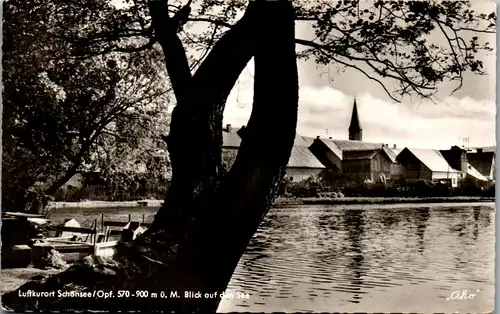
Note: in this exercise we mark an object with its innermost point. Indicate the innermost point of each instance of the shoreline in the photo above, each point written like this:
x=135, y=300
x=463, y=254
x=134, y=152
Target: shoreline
x=383, y=200
x=105, y=204
x=293, y=201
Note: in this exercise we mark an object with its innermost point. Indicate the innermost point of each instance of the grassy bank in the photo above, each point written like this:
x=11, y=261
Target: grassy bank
x=380, y=200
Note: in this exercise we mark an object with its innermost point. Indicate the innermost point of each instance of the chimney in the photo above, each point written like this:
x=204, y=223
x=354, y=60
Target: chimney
x=330, y=138
x=394, y=146
x=479, y=150
x=317, y=137
x=228, y=127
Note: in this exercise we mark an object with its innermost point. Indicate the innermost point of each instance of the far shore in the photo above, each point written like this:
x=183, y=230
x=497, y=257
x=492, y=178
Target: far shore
x=382, y=200
x=292, y=201
x=106, y=204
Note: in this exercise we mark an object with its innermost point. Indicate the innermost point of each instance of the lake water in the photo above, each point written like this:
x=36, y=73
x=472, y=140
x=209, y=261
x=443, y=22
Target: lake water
x=374, y=258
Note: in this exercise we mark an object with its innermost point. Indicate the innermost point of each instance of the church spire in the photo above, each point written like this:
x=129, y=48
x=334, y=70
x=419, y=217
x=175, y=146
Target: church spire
x=355, y=130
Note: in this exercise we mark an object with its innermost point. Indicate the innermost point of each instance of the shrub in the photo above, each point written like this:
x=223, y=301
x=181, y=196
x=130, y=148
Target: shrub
x=311, y=187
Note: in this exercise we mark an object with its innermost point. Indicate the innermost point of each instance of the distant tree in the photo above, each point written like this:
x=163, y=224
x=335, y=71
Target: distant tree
x=133, y=156
x=59, y=105
x=186, y=249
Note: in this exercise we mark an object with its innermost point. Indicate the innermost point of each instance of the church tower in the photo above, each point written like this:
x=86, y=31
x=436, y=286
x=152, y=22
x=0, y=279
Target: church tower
x=355, y=130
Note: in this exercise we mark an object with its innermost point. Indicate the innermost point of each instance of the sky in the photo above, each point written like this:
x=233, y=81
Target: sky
x=326, y=100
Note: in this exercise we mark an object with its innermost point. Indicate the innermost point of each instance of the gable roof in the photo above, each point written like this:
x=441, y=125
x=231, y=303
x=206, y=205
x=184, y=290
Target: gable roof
x=339, y=146
x=474, y=173
x=308, y=140
x=301, y=157
x=231, y=138
x=432, y=159
x=333, y=147
x=302, y=140
x=356, y=145
x=483, y=162
x=365, y=154
x=359, y=154
x=392, y=152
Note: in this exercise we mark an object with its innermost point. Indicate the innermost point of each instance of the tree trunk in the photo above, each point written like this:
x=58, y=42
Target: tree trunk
x=203, y=228
x=56, y=184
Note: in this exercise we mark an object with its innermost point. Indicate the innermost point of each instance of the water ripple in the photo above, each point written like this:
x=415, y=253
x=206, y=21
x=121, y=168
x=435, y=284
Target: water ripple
x=333, y=257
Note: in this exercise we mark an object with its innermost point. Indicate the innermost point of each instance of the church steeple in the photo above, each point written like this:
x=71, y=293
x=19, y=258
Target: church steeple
x=355, y=130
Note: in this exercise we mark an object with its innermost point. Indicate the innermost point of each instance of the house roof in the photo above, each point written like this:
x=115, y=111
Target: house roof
x=301, y=157
x=339, y=146
x=432, y=159
x=308, y=140
x=483, y=162
x=474, y=173
x=359, y=154
x=231, y=139
x=355, y=145
x=333, y=147
x=366, y=154
x=302, y=141
x=487, y=149
x=392, y=152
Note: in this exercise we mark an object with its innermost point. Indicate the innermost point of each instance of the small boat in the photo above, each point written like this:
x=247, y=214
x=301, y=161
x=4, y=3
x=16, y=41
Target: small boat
x=72, y=241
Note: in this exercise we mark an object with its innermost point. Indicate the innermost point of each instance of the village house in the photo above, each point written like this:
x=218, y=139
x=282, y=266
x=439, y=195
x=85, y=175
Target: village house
x=354, y=159
x=427, y=164
x=372, y=165
x=458, y=160
x=483, y=159
x=230, y=138
x=397, y=169
x=231, y=141
x=301, y=165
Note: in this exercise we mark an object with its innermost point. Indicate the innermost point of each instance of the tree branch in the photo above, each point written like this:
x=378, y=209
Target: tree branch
x=175, y=55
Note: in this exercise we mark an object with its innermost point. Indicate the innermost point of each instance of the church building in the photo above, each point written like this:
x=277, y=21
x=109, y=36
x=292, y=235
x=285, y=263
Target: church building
x=354, y=159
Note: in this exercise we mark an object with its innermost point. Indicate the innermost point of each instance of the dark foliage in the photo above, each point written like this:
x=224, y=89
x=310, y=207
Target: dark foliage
x=59, y=109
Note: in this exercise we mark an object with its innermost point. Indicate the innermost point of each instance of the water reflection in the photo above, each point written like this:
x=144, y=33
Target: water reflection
x=341, y=258
x=475, y=233
x=354, y=223
x=421, y=221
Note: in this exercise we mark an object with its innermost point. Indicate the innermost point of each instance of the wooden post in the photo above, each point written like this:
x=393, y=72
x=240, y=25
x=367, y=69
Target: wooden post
x=143, y=217
x=129, y=218
x=102, y=222
x=95, y=233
